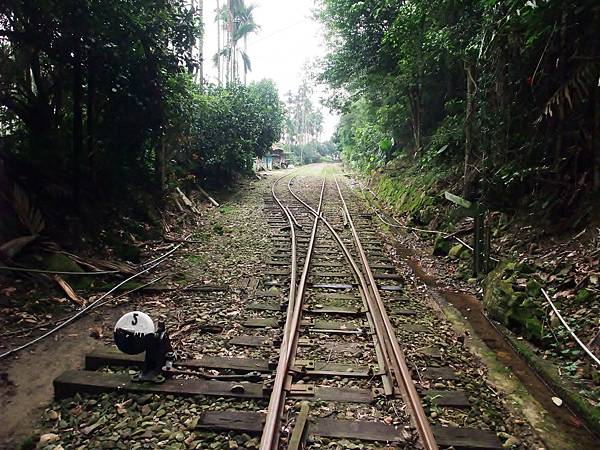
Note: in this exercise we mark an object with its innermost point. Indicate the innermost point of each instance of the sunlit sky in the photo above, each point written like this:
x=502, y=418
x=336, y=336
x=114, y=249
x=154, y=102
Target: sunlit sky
x=288, y=39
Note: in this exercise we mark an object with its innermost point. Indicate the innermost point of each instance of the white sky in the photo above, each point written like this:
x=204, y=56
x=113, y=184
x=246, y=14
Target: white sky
x=287, y=40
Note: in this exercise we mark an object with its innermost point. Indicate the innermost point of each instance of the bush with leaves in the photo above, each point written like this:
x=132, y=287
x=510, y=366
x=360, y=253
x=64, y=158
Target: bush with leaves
x=224, y=128
x=501, y=87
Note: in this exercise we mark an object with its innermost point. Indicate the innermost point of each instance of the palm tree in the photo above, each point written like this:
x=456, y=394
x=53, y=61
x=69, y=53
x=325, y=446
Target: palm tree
x=244, y=25
x=218, y=62
x=240, y=23
x=221, y=57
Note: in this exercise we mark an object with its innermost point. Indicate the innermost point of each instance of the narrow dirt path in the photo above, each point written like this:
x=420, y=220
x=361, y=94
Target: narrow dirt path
x=28, y=387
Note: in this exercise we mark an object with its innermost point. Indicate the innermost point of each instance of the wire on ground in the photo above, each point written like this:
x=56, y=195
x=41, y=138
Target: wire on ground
x=82, y=312
x=563, y=321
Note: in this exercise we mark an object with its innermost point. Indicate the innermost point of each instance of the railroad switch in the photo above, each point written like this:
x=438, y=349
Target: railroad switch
x=135, y=333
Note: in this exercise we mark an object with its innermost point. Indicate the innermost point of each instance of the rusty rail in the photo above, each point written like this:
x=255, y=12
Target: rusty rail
x=401, y=370
x=362, y=284
x=271, y=429
x=396, y=366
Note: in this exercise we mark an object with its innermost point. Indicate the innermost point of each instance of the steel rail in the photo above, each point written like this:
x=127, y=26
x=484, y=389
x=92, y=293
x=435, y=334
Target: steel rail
x=404, y=378
x=270, y=435
x=382, y=331
x=377, y=325
x=293, y=218
x=57, y=272
x=294, y=268
x=274, y=431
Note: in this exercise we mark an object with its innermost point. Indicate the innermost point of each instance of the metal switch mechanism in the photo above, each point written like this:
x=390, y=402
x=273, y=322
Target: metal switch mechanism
x=136, y=333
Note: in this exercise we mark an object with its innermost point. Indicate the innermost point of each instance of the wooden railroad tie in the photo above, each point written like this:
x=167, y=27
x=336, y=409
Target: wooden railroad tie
x=72, y=382
x=252, y=422
x=89, y=381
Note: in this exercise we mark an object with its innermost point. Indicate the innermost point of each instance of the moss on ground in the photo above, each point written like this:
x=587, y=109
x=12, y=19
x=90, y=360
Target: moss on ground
x=514, y=301
x=415, y=195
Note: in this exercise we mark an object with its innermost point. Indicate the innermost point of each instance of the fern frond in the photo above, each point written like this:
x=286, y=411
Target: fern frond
x=29, y=216
x=572, y=91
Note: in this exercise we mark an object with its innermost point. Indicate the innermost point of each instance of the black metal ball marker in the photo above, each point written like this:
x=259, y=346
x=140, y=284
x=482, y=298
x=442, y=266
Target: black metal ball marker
x=135, y=333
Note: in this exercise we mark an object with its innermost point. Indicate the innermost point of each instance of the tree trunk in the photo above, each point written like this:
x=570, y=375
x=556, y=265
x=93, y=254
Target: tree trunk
x=219, y=42
x=234, y=69
x=596, y=140
x=190, y=50
x=246, y=52
x=200, y=72
x=91, y=120
x=562, y=69
x=230, y=56
x=469, y=117
x=415, y=118
x=77, y=120
x=596, y=123
x=163, y=162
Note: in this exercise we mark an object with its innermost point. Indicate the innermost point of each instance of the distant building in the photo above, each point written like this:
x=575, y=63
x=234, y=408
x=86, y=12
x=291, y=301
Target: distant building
x=278, y=155
x=273, y=159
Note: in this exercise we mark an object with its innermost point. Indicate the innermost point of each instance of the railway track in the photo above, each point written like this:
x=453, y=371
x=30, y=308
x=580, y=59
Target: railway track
x=329, y=325
x=390, y=376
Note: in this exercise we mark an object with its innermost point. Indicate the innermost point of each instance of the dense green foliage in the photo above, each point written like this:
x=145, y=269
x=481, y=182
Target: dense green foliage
x=504, y=93
x=98, y=104
x=303, y=126
x=223, y=129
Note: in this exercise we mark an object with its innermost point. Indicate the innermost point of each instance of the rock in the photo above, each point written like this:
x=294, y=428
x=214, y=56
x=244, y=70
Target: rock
x=48, y=438
x=511, y=442
x=456, y=250
x=191, y=423
x=233, y=445
x=190, y=439
x=144, y=399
